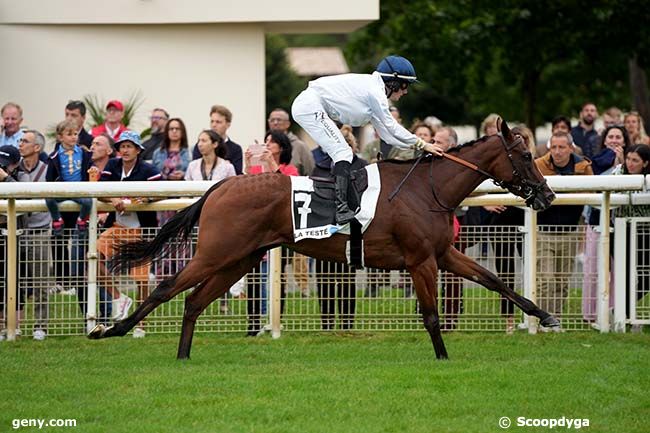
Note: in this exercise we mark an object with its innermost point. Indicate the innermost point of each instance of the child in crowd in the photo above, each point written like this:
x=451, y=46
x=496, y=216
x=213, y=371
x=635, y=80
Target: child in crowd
x=68, y=163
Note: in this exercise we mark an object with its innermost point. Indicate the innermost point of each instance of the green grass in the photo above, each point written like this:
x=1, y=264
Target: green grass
x=328, y=383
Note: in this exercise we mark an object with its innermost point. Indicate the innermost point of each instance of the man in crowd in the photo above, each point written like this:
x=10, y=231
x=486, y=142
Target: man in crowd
x=12, y=117
x=125, y=226
x=220, y=120
x=9, y=160
x=113, y=125
x=35, y=241
x=556, y=246
x=159, y=118
x=301, y=155
x=613, y=116
x=584, y=133
x=76, y=111
x=446, y=137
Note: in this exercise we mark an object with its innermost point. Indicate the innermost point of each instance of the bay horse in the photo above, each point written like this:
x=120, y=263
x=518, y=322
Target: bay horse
x=240, y=218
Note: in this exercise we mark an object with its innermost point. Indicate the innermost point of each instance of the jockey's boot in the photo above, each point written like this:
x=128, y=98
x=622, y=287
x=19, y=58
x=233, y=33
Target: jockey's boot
x=341, y=173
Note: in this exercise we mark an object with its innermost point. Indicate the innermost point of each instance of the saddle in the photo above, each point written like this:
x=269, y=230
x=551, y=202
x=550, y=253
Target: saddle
x=324, y=188
x=314, y=209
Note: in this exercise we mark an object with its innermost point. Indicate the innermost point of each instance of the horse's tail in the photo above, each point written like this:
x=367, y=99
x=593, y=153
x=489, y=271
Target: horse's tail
x=171, y=237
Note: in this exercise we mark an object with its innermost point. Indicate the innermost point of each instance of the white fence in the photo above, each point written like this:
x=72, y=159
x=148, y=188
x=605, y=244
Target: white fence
x=383, y=301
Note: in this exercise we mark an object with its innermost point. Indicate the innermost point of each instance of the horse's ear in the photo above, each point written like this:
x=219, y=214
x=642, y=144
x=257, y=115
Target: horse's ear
x=502, y=126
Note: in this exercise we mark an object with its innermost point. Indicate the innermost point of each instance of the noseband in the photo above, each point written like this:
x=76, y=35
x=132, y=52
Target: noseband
x=523, y=187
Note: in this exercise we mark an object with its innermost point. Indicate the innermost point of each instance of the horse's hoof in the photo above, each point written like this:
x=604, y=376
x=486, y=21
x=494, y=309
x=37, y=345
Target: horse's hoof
x=97, y=332
x=550, y=322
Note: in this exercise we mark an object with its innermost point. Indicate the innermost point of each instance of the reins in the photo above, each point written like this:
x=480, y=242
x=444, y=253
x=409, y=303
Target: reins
x=528, y=188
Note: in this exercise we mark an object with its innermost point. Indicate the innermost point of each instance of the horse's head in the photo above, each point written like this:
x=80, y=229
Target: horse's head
x=521, y=176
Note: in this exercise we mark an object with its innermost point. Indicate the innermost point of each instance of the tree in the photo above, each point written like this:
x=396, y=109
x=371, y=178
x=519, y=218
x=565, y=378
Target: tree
x=282, y=83
x=525, y=59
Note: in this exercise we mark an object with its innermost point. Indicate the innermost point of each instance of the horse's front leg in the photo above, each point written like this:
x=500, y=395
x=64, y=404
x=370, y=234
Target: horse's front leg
x=463, y=266
x=424, y=277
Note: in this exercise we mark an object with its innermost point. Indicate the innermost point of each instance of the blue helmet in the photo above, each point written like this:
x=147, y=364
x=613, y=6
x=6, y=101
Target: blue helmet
x=397, y=68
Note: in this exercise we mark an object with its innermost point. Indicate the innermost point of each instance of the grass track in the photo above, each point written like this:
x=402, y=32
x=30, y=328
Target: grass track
x=328, y=383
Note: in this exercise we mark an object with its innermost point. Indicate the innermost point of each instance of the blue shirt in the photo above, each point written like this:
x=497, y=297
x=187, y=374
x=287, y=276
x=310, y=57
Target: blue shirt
x=14, y=140
x=70, y=161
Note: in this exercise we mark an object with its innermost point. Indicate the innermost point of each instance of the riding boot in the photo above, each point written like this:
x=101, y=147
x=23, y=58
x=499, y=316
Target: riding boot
x=342, y=180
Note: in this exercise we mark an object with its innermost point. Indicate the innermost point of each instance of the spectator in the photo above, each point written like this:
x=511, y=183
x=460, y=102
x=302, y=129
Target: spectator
x=35, y=242
x=452, y=286
x=172, y=156
x=212, y=166
x=159, y=117
x=9, y=160
x=125, y=226
x=102, y=150
x=220, y=120
x=614, y=144
x=76, y=111
x=584, y=134
x=334, y=275
x=68, y=164
x=275, y=158
x=489, y=125
x=12, y=117
x=421, y=130
x=556, y=246
x=113, y=125
x=505, y=220
x=634, y=126
x=302, y=156
x=558, y=124
x=613, y=116
x=637, y=161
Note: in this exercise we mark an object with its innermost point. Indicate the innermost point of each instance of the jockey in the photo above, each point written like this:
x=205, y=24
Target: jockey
x=356, y=99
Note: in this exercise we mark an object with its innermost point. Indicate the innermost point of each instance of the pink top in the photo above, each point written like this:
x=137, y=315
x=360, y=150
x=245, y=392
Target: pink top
x=286, y=169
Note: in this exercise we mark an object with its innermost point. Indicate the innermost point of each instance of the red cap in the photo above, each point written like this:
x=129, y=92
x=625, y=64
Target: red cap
x=116, y=104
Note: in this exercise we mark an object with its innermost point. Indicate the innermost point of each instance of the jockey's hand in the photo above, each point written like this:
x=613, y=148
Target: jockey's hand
x=434, y=148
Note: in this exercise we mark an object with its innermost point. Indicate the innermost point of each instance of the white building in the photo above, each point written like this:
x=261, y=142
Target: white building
x=184, y=56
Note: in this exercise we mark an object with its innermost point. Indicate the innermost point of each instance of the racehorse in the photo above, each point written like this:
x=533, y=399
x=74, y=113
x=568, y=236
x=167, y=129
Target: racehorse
x=242, y=217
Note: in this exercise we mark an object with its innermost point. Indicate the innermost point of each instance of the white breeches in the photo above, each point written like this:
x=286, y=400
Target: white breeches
x=308, y=111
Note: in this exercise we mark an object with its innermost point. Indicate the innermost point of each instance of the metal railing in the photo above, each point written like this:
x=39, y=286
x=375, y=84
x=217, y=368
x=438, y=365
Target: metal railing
x=306, y=294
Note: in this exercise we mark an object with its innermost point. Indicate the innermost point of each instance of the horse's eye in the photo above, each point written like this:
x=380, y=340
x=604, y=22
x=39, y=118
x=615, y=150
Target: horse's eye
x=527, y=156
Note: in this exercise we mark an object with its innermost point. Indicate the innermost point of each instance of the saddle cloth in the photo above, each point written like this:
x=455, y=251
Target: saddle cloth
x=313, y=205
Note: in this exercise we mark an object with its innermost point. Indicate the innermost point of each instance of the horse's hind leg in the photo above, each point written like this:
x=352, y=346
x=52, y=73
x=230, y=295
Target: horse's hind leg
x=205, y=294
x=463, y=266
x=195, y=272
x=424, y=278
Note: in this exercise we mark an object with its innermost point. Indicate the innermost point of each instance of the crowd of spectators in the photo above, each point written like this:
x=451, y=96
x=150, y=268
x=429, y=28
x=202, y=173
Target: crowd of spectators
x=111, y=151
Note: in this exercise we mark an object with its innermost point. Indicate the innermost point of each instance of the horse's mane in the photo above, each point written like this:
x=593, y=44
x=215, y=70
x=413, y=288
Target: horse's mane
x=454, y=149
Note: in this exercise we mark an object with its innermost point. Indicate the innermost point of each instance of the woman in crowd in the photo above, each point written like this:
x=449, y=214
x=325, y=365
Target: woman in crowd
x=172, y=159
x=614, y=143
x=212, y=165
x=274, y=157
x=637, y=161
x=634, y=125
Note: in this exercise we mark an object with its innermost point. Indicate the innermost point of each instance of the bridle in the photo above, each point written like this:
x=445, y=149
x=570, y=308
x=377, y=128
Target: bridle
x=520, y=186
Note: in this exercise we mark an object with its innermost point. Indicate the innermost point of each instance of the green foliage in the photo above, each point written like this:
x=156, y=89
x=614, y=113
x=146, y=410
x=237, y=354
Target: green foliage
x=525, y=59
x=282, y=83
x=96, y=108
x=340, y=382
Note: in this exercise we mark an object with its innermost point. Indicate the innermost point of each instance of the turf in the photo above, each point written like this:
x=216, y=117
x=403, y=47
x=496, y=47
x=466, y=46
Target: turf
x=384, y=382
